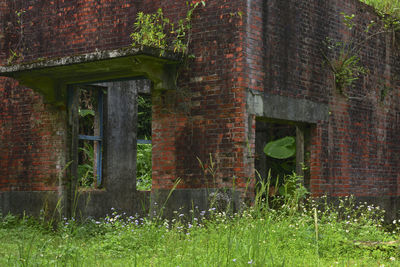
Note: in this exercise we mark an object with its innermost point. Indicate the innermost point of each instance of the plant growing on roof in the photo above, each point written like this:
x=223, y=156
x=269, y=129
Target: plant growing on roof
x=155, y=30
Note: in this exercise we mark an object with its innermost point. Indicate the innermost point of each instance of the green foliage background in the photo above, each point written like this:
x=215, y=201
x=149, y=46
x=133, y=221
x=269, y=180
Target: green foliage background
x=390, y=7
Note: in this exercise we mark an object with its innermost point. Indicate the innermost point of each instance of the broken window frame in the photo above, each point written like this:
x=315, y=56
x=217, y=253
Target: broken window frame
x=73, y=107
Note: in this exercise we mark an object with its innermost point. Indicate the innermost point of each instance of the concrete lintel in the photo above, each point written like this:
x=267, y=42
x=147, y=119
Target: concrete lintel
x=286, y=108
x=50, y=77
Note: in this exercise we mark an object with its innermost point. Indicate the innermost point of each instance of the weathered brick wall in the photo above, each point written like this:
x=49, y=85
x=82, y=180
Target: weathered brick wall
x=272, y=46
x=32, y=140
x=33, y=134
x=3, y=22
x=61, y=28
x=203, y=118
x=355, y=151
x=206, y=122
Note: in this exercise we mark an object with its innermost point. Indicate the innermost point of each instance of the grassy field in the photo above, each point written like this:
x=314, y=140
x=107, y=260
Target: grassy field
x=291, y=236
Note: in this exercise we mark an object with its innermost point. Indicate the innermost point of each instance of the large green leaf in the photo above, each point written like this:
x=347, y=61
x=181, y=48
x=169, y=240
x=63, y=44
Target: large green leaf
x=282, y=148
x=86, y=112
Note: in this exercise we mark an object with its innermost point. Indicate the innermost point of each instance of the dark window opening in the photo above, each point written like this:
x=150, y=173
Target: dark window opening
x=281, y=150
x=90, y=136
x=106, y=120
x=144, y=144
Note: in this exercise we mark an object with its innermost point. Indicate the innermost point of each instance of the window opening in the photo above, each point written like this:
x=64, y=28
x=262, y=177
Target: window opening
x=144, y=143
x=281, y=163
x=90, y=137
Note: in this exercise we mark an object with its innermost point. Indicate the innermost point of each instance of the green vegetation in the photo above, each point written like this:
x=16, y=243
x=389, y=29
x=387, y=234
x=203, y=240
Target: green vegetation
x=385, y=7
x=345, y=64
x=343, y=57
x=144, y=116
x=155, y=30
x=143, y=167
x=143, y=161
x=308, y=234
x=282, y=148
x=85, y=169
x=282, y=162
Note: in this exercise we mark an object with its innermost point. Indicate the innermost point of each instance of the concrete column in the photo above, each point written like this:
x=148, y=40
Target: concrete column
x=120, y=139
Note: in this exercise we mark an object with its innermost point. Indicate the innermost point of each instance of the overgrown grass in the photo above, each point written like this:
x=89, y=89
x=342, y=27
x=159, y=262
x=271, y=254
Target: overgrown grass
x=259, y=236
x=143, y=167
x=389, y=7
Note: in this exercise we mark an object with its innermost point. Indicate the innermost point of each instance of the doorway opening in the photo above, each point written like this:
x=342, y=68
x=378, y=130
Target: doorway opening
x=282, y=153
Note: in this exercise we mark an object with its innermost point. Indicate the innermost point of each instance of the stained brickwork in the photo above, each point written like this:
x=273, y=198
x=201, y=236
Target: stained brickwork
x=355, y=151
x=208, y=123
x=32, y=142
x=242, y=46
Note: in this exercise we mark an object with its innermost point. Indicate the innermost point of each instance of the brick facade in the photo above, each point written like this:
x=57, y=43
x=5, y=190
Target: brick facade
x=270, y=47
x=355, y=151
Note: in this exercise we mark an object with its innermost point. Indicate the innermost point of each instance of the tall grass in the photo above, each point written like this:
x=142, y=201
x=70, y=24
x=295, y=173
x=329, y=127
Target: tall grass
x=143, y=167
x=312, y=233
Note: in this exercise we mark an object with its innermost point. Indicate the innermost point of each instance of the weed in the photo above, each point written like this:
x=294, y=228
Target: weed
x=143, y=167
x=154, y=29
x=318, y=233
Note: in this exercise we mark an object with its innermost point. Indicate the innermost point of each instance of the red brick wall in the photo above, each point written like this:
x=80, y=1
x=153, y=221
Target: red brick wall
x=357, y=150
x=273, y=47
x=3, y=22
x=211, y=124
x=60, y=28
x=208, y=123
x=33, y=134
x=32, y=140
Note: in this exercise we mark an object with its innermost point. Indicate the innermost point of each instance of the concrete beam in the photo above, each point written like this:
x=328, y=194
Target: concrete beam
x=286, y=108
x=50, y=77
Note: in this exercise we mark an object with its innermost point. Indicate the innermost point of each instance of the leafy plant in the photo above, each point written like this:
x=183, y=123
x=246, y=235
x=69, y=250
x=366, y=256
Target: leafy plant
x=343, y=58
x=19, y=46
x=150, y=30
x=283, y=148
x=86, y=112
x=144, y=116
x=385, y=7
x=281, y=161
x=346, y=67
x=155, y=30
x=85, y=170
x=143, y=167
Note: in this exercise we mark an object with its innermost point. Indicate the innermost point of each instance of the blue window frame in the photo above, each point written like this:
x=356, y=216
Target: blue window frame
x=97, y=136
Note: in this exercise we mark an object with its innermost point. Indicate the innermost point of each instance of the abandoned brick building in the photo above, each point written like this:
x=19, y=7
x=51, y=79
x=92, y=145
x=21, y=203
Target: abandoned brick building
x=258, y=66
